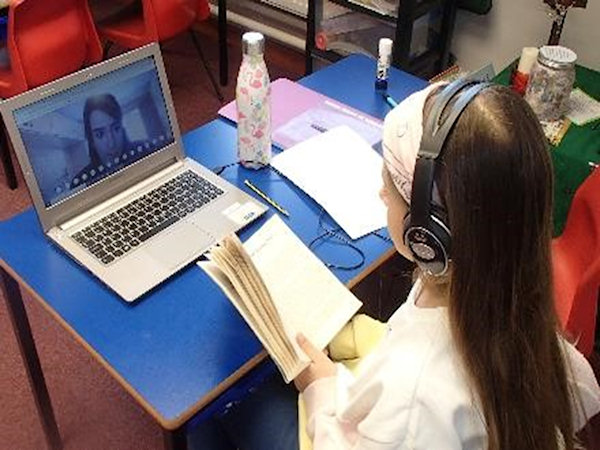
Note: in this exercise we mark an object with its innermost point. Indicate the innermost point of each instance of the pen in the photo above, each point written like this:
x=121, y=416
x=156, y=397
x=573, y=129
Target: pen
x=390, y=101
x=266, y=198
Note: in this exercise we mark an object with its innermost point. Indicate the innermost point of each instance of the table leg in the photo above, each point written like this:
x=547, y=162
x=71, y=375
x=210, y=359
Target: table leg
x=175, y=439
x=22, y=329
x=223, y=54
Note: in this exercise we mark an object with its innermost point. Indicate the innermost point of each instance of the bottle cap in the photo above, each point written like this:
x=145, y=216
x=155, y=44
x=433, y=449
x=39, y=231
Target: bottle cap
x=557, y=56
x=253, y=43
x=385, y=46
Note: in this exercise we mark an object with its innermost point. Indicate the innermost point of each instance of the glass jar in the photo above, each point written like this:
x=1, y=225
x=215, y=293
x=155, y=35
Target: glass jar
x=551, y=81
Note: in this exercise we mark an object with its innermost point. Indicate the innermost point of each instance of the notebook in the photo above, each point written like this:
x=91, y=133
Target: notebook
x=299, y=113
x=104, y=163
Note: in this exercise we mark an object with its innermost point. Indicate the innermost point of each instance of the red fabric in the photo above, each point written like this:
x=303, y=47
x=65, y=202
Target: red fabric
x=576, y=265
x=47, y=40
x=157, y=21
x=519, y=82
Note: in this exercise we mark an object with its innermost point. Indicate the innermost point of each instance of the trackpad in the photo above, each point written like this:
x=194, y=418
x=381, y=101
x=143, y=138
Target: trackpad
x=179, y=245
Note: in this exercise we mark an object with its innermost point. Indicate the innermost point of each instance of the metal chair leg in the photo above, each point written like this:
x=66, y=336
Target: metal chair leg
x=106, y=49
x=205, y=64
x=7, y=164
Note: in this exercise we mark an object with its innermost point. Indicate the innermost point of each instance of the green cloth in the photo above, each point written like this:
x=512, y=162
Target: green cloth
x=579, y=147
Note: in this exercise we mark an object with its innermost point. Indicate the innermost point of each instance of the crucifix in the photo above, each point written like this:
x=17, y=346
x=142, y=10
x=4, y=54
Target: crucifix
x=559, y=12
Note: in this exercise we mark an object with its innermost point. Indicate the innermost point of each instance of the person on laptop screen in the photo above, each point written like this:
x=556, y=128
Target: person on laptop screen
x=108, y=144
x=79, y=136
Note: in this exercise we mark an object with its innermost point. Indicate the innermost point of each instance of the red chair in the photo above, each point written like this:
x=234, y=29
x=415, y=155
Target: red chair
x=576, y=265
x=45, y=41
x=156, y=21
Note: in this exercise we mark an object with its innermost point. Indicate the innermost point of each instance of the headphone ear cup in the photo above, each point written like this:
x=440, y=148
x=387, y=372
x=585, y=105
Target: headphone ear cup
x=430, y=246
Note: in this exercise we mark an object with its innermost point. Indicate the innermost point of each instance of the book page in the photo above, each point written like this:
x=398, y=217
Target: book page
x=264, y=335
x=235, y=263
x=303, y=295
x=266, y=309
x=308, y=297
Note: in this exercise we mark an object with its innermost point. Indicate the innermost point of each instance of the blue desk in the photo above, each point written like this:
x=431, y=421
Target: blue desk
x=182, y=346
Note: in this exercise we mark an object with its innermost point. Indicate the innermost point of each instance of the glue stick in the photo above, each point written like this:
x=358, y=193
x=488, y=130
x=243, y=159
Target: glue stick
x=383, y=64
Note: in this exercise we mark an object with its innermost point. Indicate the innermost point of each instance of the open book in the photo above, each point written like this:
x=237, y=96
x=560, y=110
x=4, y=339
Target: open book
x=281, y=288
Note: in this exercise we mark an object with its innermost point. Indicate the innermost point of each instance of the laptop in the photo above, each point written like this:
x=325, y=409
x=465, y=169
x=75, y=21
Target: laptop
x=105, y=166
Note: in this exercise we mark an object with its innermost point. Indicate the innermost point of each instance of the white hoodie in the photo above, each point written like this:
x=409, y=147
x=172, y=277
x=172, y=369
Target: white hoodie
x=411, y=391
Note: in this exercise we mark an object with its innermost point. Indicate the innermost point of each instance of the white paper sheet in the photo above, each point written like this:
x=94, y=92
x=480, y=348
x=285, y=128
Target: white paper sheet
x=582, y=108
x=342, y=173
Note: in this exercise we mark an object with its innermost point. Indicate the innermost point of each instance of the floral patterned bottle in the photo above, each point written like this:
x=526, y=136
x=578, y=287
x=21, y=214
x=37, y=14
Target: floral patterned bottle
x=253, y=99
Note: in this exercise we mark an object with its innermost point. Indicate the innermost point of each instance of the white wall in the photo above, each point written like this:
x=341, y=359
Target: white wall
x=499, y=36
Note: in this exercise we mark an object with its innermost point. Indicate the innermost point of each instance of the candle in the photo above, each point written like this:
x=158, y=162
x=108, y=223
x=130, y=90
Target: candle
x=528, y=57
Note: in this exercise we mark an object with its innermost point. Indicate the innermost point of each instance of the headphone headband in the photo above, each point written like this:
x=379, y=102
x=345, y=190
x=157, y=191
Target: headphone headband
x=432, y=143
x=426, y=232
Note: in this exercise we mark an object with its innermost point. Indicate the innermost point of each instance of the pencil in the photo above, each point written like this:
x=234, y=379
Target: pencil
x=266, y=198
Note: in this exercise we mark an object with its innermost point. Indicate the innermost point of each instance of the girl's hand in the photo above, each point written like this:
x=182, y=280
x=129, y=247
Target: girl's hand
x=320, y=367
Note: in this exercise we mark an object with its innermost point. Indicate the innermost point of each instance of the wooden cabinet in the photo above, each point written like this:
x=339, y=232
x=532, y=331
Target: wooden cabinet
x=421, y=30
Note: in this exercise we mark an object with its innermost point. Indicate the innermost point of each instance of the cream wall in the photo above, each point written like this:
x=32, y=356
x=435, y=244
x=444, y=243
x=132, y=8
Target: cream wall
x=499, y=36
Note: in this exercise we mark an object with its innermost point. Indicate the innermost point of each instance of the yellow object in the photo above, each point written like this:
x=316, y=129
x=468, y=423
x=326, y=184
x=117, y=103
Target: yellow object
x=266, y=198
x=349, y=346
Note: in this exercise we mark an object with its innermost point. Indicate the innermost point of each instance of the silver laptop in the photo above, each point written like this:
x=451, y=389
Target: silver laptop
x=105, y=166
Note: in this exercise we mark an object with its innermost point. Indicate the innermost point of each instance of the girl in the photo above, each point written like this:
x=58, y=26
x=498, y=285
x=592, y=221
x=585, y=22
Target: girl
x=473, y=359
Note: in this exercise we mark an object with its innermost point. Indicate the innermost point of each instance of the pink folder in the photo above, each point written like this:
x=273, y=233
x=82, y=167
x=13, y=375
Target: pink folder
x=298, y=113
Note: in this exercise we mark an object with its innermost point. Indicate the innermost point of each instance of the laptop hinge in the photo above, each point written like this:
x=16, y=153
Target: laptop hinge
x=100, y=209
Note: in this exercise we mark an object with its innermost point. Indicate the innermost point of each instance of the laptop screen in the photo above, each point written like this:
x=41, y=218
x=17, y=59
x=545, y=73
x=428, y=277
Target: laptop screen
x=79, y=136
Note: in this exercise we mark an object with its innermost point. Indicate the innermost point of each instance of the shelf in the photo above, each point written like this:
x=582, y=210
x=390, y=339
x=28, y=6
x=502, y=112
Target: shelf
x=421, y=9
x=421, y=27
x=363, y=9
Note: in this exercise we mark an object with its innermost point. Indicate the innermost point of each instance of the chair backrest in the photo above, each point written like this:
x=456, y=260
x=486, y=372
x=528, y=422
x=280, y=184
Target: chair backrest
x=175, y=16
x=156, y=21
x=581, y=235
x=49, y=39
x=576, y=264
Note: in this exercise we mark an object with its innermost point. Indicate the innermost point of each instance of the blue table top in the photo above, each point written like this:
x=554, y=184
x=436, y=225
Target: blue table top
x=184, y=343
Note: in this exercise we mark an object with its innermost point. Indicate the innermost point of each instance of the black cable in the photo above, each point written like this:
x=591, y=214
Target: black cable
x=219, y=169
x=334, y=234
x=385, y=238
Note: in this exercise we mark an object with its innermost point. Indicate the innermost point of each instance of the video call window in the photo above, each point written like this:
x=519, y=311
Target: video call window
x=76, y=138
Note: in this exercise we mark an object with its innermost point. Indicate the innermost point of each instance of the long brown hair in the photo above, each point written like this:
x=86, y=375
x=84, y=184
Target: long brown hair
x=496, y=182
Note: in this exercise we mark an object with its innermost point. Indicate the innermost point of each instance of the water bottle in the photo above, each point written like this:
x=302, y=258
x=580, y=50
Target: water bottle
x=253, y=95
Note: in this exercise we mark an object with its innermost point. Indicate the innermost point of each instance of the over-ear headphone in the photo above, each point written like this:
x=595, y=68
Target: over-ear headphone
x=426, y=232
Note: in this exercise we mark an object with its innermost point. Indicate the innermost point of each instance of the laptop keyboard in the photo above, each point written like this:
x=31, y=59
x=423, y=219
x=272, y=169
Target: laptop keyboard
x=126, y=228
